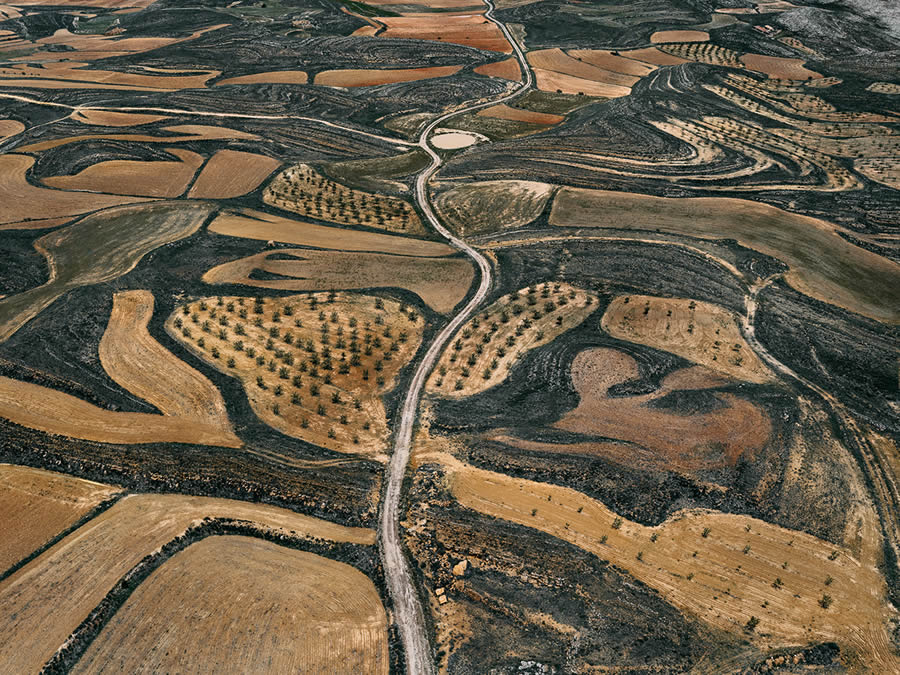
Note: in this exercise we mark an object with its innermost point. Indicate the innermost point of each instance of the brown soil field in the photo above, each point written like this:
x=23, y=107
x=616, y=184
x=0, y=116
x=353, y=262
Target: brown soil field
x=654, y=56
x=266, y=227
x=54, y=412
x=299, y=613
x=662, y=36
x=822, y=264
x=720, y=568
x=492, y=342
x=140, y=364
x=107, y=118
x=37, y=505
x=127, y=177
x=43, y=602
x=10, y=128
x=558, y=61
x=698, y=331
x=488, y=206
x=606, y=60
x=313, y=367
x=271, y=77
x=304, y=191
x=548, y=80
x=779, y=68
x=192, y=132
x=63, y=75
x=508, y=70
x=442, y=283
x=505, y=112
x=471, y=30
x=23, y=200
x=656, y=438
x=231, y=173
x=361, y=77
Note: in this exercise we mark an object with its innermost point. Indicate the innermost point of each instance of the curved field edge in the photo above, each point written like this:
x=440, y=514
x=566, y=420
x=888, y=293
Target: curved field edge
x=46, y=599
x=83, y=641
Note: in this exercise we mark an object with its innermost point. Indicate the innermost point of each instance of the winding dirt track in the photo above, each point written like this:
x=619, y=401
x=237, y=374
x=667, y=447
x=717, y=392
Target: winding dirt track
x=407, y=608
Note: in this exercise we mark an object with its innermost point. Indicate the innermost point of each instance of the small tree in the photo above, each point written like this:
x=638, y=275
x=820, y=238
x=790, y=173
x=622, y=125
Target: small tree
x=751, y=624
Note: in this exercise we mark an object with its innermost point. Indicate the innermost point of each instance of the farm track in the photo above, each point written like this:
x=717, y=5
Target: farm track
x=408, y=612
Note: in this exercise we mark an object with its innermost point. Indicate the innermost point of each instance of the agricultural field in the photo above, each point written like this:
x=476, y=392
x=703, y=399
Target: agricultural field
x=449, y=336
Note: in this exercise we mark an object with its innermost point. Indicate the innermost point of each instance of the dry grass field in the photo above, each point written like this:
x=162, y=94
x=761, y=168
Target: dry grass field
x=313, y=366
x=489, y=345
x=476, y=208
x=663, y=36
x=778, y=67
x=137, y=362
x=240, y=604
x=189, y=132
x=884, y=170
x=722, y=569
x=884, y=88
x=271, y=77
x=554, y=70
x=505, y=112
x=359, y=77
x=126, y=177
x=507, y=69
x=10, y=128
x=108, y=118
x=470, y=30
x=72, y=74
x=698, y=331
x=441, y=283
x=822, y=264
x=302, y=190
x=267, y=227
x=37, y=505
x=232, y=173
x=43, y=602
x=616, y=63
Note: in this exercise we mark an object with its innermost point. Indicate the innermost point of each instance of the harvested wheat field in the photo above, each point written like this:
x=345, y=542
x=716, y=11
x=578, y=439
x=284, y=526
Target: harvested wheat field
x=489, y=206
x=823, y=264
x=470, y=30
x=267, y=227
x=271, y=77
x=190, y=132
x=10, y=128
x=548, y=80
x=663, y=36
x=442, y=283
x=108, y=118
x=136, y=361
x=22, y=200
x=231, y=173
x=37, y=505
x=239, y=604
x=505, y=112
x=606, y=60
x=653, y=56
x=66, y=75
x=508, y=70
x=304, y=191
x=493, y=341
x=118, y=239
x=721, y=568
x=127, y=177
x=556, y=60
x=40, y=224
x=698, y=331
x=779, y=68
x=43, y=602
x=360, y=77
x=313, y=366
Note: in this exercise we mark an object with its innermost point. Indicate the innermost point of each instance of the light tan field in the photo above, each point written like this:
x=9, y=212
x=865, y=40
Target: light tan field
x=297, y=613
x=108, y=118
x=557, y=60
x=884, y=88
x=10, y=128
x=23, y=200
x=37, y=505
x=302, y=190
x=231, y=173
x=489, y=206
x=191, y=132
x=508, y=70
x=822, y=264
x=548, y=80
x=68, y=74
x=442, y=283
x=312, y=368
x=654, y=56
x=361, y=77
x=663, y=36
x=35, y=224
x=723, y=578
x=505, y=112
x=128, y=177
x=492, y=342
x=608, y=61
x=698, y=331
x=136, y=361
x=271, y=77
x=43, y=602
x=779, y=68
x=266, y=227
x=471, y=30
